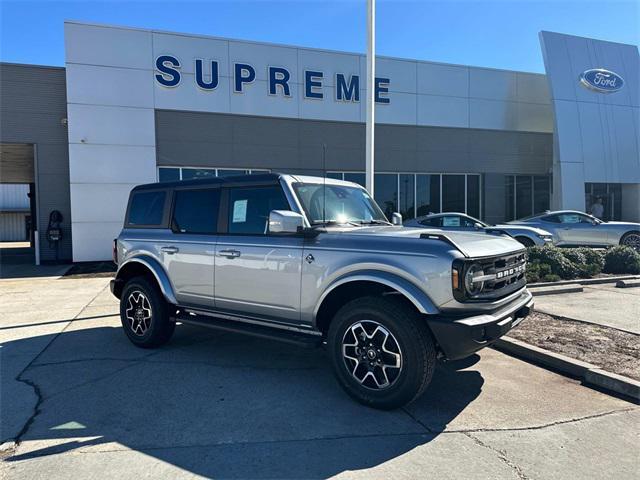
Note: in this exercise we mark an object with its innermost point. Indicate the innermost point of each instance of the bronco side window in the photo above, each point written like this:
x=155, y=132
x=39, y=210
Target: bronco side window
x=146, y=208
x=249, y=208
x=195, y=211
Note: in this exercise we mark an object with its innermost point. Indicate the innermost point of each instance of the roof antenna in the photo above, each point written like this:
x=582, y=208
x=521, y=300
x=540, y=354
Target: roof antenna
x=324, y=182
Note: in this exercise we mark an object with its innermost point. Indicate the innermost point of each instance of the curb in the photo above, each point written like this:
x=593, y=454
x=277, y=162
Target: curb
x=627, y=283
x=537, y=291
x=588, y=373
x=584, y=281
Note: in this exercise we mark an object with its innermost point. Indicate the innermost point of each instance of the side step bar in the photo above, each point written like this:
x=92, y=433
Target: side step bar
x=300, y=339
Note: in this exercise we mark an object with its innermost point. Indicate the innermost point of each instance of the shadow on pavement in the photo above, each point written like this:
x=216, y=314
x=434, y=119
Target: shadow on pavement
x=19, y=262
x=221, y=405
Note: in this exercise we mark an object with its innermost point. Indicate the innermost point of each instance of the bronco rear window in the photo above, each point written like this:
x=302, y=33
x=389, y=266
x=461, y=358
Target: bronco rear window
x=147, y=208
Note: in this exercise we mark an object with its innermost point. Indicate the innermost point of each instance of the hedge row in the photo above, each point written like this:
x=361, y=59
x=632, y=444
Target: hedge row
x=550, y=264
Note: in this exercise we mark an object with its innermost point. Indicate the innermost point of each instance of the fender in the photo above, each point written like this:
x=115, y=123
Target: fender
x=158, y=272
x=413, y=293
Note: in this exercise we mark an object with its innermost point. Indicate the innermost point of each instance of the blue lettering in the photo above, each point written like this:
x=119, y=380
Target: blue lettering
x=310, y=82
x=243, y=73
x=213, y=83
x=347, y=92
x=279, y=76
x=167, y=65
x=382, y=87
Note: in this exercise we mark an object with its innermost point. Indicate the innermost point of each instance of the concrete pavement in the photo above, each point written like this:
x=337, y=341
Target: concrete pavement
x=90, y=405
x=603, y=304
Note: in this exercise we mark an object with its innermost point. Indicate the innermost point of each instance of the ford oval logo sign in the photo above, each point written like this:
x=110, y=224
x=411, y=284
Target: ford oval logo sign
x=601, y=80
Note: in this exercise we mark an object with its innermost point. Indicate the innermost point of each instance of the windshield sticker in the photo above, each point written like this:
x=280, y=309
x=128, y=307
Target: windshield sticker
x=240, y=211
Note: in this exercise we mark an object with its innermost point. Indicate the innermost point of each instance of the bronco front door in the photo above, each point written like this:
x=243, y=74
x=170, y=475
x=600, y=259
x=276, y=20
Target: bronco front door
x=257, y=273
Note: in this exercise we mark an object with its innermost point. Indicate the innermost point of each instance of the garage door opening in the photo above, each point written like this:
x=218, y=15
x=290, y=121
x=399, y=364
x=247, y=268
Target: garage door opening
x=18, y=222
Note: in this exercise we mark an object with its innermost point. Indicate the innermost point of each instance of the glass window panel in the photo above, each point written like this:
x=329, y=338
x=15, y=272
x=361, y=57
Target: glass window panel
x=229, y=172
x=358, y=178
x=407, y=195
x=541, y=194
x=614, y=211
x=453, y=193
x=509, y=199
x=335, y=175
x=473, y=195
x=249, y=208
x=147, y=208
x=386, y=192
x=428, y=194
x=168, y=174
x=196, y=211
x=195, y=173
x=524, y=205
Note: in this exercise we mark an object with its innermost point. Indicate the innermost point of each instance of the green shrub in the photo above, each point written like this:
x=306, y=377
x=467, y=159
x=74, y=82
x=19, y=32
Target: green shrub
x=555, y=262
x=574, y=256
x=551, y=278
x=593, y=257
x=622, y=259
x=533, y=273
x=588, y=262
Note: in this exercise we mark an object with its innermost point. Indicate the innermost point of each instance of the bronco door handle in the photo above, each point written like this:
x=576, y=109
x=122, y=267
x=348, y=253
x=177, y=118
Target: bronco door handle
x=169, y=250
x=229, y=253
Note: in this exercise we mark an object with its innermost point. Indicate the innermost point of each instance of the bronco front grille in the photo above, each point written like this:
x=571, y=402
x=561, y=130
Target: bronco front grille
x=506, y=271
x=497, y=276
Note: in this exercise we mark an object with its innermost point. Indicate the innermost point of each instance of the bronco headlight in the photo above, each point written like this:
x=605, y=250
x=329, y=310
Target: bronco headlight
x=473, y=280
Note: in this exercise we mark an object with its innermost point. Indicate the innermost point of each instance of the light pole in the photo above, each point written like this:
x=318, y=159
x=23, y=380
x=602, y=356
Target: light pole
x=370, y=91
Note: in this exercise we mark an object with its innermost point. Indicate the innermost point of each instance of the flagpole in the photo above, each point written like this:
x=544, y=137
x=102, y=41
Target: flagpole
x=370, y=92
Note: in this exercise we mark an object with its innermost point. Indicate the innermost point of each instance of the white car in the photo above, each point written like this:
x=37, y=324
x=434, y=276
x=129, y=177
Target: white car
x=573, y=228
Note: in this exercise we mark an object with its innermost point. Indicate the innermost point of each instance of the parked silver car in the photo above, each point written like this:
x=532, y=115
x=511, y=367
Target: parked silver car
x=314, y=261
x=573, y=228
x=454, y=221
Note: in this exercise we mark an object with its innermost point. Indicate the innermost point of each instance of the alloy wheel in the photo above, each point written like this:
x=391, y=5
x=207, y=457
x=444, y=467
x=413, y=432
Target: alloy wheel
x=372, y=354
x=138, y=312
x=632, y=240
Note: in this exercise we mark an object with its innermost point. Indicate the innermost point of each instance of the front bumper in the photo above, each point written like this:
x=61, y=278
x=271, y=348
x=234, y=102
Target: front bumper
x=459, y=336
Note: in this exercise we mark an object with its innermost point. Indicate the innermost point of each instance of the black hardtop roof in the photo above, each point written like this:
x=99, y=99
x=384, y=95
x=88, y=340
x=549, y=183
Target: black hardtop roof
x=259, y=178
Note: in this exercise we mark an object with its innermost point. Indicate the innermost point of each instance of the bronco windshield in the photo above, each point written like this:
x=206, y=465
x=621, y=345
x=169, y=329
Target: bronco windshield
x=339, y=204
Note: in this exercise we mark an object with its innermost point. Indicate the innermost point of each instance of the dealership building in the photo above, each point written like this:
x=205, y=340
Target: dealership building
x=134, y=106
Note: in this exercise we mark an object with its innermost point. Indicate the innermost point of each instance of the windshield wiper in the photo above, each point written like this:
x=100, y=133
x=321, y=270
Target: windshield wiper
x=327, y=223
x=374, y=222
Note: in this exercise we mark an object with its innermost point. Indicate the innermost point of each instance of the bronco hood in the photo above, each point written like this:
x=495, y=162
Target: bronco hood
x=470, y=244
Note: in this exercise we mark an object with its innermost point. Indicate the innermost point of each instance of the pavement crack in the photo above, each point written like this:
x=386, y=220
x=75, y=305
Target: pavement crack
x=502, y=456
x=543, y=426
x=418, y=421
x=244, y=443
x=39, y=397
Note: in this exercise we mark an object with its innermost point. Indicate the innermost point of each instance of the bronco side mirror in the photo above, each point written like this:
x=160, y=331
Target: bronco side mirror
x=396, y=218
x=285, y=221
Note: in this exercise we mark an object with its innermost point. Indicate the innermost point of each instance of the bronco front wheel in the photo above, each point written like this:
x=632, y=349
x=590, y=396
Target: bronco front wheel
x=381, y=351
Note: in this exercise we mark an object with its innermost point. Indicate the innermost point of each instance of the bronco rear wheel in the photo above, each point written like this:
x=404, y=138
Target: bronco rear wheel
x=144, y=314
x=381, y=352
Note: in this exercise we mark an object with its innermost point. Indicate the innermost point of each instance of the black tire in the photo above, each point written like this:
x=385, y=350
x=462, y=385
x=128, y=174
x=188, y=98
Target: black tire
x=410, y=334
x=151, y=328
x=527, y=242
x=625, y=240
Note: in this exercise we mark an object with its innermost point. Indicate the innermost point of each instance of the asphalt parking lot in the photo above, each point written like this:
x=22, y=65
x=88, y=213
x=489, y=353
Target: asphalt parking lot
x=84, y=403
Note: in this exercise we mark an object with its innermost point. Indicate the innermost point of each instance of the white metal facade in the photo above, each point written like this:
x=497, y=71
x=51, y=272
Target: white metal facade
x=113, y=94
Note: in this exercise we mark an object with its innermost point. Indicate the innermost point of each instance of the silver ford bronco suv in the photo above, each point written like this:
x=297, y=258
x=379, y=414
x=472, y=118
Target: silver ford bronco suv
x=314, y=261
